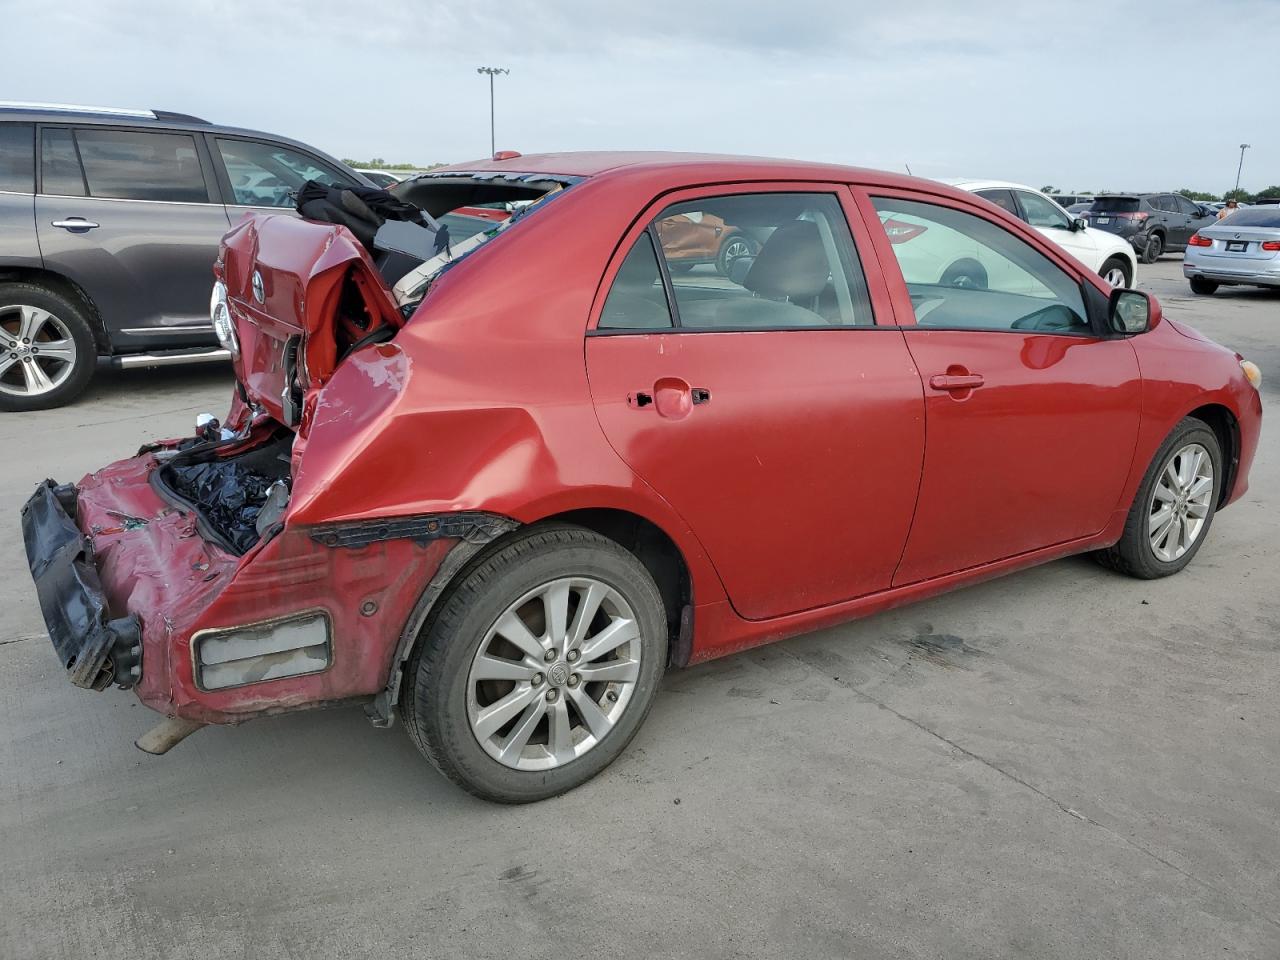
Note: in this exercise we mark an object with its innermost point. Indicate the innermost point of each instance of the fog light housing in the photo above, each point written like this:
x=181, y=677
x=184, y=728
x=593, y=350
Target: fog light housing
x=292, y=646
x=224, y=327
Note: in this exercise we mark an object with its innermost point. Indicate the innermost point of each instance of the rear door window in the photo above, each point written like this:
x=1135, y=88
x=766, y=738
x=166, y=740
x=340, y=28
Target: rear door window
x=637, y=300
x=762, y=261
x=137, y=165
x=17, y=157
x=60, y=173
x=269, y=174
x=1002, y=199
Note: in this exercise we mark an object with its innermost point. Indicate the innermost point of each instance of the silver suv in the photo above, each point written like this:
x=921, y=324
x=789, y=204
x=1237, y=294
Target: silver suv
x=109, y=226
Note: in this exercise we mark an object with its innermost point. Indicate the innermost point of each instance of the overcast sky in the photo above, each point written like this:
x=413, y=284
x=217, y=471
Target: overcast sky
x=1121, y=94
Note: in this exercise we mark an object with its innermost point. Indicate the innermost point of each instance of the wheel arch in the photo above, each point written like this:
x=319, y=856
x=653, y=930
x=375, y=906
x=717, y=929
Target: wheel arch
x=1226, y=428
x=64, y=285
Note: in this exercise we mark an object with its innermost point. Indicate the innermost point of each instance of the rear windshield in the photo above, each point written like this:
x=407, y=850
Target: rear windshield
x=1253, y=217
x=1115, y=205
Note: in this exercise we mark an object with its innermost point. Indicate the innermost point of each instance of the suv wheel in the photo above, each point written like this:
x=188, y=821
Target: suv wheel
x=47, y=351
x=1203, y=286
x=1155, y=246
x=539, y=666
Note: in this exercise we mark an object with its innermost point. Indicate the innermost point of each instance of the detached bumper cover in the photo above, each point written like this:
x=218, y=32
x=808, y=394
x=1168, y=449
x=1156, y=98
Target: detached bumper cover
x=94, y=648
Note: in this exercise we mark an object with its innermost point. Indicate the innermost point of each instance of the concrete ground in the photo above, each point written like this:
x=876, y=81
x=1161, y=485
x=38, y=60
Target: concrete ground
x=1061, y=763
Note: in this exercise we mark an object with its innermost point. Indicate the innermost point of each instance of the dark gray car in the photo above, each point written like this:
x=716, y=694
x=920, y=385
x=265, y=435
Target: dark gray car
x=109, y=226
x=1154, y=223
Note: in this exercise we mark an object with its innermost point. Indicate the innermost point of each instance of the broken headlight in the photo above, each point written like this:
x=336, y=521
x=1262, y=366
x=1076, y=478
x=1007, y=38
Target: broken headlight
x=224, y=327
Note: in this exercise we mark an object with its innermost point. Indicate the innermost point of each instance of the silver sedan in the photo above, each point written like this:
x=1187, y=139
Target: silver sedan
x=1243, y=248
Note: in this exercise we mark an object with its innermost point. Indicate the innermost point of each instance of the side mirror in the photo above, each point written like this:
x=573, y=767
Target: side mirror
x=1129, y=311
x=1079, y=223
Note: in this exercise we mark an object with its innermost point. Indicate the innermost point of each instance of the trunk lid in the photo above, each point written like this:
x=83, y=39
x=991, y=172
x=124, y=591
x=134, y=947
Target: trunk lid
x=301, y=295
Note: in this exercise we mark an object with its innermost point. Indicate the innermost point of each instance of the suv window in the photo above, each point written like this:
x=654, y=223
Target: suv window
x=1041, y=212
x=269, y=175
x=60, y=173
x=964, y=272
x=1002, y=199
x=762, y=261
x=18, y=157
x=1186, y=206
x=1115, y=205
x=637, y=298
x=132, y=165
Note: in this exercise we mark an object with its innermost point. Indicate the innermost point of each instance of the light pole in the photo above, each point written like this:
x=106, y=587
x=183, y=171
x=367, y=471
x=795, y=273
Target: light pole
x=1243, y=148
x=492, y=72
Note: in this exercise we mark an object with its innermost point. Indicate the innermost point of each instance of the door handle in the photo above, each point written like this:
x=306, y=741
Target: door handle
x=942, y=381
x=672, y=397
x=74, y=224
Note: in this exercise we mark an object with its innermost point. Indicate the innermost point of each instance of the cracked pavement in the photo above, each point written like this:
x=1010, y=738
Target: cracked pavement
x=1059, y=763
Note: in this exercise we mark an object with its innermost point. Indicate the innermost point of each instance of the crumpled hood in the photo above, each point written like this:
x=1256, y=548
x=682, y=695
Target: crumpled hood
x=300, y=294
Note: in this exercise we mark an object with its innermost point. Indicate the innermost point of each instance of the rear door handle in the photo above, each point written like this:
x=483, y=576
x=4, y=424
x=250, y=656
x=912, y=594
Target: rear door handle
x=74, y=224
x=942, y=381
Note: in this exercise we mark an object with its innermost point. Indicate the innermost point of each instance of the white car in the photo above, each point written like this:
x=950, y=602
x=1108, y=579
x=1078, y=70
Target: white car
x=1111, y=257
x=380, y=178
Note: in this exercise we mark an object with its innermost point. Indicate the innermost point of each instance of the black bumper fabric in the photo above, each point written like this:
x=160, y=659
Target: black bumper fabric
x=94, y=648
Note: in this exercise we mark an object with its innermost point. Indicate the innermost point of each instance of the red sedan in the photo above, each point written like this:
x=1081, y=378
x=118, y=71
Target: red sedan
x=498, y=488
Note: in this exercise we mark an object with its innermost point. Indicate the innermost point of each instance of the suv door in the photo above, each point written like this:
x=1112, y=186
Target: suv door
x=767, y=407
x=1032, y=418
x=1192, y=218
x=261, y=174
x=129, y=216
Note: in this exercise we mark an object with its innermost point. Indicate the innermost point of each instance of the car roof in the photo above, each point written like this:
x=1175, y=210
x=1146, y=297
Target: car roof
x=970, y=185
x=598, y=163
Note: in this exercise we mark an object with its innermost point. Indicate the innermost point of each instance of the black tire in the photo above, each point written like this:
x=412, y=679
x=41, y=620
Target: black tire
x=1133, y=554
x=1152, y=249
x=1203, y=286
x=967, y=273
x=735, y=247
x=1121, y=264
x=433, y=703
x=70, y=315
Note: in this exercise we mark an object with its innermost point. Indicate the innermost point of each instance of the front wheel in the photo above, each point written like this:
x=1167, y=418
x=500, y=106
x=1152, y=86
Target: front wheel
x=1117, y=272
x=1203, y=286
x=539, y=667
x=735, y=248
x=1174, y=507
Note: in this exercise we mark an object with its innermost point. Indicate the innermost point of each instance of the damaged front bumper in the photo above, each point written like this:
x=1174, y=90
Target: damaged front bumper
x=94, y=648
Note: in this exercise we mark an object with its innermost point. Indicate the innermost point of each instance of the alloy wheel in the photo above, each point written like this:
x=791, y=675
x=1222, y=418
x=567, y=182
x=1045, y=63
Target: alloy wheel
x=554, y=674
x=1180, y=502
x=1114, y=277
x=37, y=351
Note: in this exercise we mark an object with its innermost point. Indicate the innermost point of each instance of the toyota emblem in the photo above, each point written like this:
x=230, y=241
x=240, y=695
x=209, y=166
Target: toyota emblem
x=258, y=293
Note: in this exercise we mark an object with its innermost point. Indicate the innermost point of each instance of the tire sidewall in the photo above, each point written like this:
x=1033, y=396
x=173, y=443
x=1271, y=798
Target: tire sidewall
x=72, y=316
x=440, y=698
x=1124, y=267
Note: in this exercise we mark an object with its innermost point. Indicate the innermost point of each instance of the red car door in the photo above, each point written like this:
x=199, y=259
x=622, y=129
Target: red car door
x=767, y=407
x=1031, y=417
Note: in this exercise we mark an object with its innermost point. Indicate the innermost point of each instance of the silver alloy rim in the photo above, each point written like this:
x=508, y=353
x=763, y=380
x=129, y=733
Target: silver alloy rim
x=37, y=351
x=1180, y=502
x=554, y=674
x=1114, y=276
x=736, y=250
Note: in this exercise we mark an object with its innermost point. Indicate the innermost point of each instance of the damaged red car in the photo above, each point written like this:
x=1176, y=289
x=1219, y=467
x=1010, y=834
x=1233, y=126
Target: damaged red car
x=493, y=475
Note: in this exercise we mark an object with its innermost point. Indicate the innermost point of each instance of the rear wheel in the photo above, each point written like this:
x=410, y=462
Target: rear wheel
x=1117, y=272
x=735, y=248
x=47, y=351
x=1203, y=286
x=1174, y=508
x=539, y=667
x=966, y=273
x=1154, y=247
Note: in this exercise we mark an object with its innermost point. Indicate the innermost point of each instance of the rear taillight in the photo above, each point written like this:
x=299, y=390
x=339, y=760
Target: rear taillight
x=1199, y=241
x=1271, y=244
x=900, y=232
x=1131, y=216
